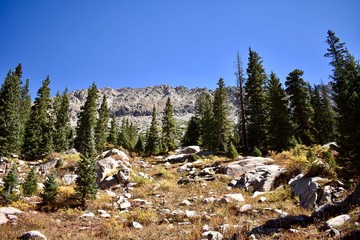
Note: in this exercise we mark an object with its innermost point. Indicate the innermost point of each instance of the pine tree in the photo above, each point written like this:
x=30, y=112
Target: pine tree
x=10, y=118
x=240, y=98
x=231, y=150
x=168, y=128
x=256, y=99
x=62, y=128
x=85, y=131
x=86, y=186
x=280, y=125
x=30, y=185
x=102, y=129
x=10, y=181
x=152, y=141
x=206, y=119
x=192, y=133
x=51, y=187
x=221, y=117
x=25, y=109
x=302, y=112
x=114, y=132
x=140, y=146
x=38, y=132
x=346, y=87
x=127, y=135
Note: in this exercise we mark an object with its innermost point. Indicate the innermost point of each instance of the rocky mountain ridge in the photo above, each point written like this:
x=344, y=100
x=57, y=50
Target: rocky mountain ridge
x=137, y=103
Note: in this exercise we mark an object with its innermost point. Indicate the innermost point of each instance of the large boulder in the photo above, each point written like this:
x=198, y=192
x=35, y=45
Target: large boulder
x=244, y=164
x=188, y=150
x=105, y=167
x=3, y=218
x=261, y=178
x=117, y=155
x=337, y=221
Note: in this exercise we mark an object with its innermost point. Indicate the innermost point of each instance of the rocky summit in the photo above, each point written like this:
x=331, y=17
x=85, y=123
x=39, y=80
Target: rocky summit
x=136, y=103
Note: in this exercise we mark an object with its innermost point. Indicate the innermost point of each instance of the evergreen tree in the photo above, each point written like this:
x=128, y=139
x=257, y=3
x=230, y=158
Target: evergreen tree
x=240, y=97
x=206, y=120
x=30, y=185
x=168, y=128
x=114, y=132
x=62, y=128
x=346, y=87
x=127, y=135
x=221, y=117
x=231, y=150
x=192, y=133
x=38, y=132
x=256, y=99
x=85, y=131
x=25, y=109
x=302, y=112
x=140, y=146
x=10, y=181
x=10, y=118
x=86, y=186
x=280, y=125
x=152, y=141
x=102, y=129
x=51, y=187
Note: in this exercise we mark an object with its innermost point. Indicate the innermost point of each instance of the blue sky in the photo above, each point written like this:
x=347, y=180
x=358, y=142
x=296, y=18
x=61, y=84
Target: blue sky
x=139, y=43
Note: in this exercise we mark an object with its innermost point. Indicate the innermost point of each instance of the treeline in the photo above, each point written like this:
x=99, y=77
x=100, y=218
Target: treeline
x=273, y=117
x=270, y=116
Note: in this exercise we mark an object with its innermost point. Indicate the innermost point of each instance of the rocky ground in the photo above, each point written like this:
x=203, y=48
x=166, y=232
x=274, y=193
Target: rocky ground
x=188, y=195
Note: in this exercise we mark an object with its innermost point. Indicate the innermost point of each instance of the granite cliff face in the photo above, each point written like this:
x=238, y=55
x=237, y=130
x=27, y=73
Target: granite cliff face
x=137, y=103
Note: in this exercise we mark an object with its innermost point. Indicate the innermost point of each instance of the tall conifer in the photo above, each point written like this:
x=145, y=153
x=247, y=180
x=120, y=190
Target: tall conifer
x=152, y=141
x=168, y=128
x=62, y=128
x=102, y=128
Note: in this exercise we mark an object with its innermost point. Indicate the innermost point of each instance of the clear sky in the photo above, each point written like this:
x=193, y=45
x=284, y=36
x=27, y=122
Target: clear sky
x=139, y=43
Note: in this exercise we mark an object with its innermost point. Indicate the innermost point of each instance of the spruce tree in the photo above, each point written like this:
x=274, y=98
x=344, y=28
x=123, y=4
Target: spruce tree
x=86, y=186
x=152, y=141
x=302, y=112
x=192, y=133
x=240, y=101
x=114, y=132
x=85, y=130
x=168, y=128
x=10, y=118
x=10, y=181
x=280, y=125
x=38, y=132
x=25, y=109
x=62, y=128
x=140, y=146
x=102, y=129
x=127, y=135
x=231, y=150
x=256, y=100
x=346, y=88
x=30, y=185
x=206, y=119
x=221, y=120
x=51, y=187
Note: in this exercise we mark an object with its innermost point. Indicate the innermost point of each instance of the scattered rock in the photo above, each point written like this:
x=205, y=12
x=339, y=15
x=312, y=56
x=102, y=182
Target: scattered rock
x=137, y=225
x=32, y=235
x=212, y=235
x=125, y=205
x=262, y=199
x=244, y=164
x=245, y=208
x=190, y=214
x=238, y=197
x=117, y=155
x=10, y=210
x=185, y=203
x=104, y=214
x=188, y=150
x=88, y=215
x=105, y=168
x=109, y=182
x=260, y=178
x=69, y=179
x=337, y=221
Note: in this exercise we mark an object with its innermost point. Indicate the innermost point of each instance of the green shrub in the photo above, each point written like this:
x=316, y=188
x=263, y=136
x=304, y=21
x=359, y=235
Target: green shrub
x=231, y=151
x=257, y=152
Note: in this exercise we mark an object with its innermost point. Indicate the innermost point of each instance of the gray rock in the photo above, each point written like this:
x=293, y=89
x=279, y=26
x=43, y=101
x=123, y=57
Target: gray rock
x=190, y=214
x=88, y=215
x=137, y=225
x=234, y=197
x=104, y=214
x=10, y=210
x=105, y=167
x=69, y=179
x=109, y=182
x=117, y=155
x=307, y=189
x=337, y=221
x=125, y=205
x=261, y=178
x=32, y=235
x=188, y=150
x=244, y=164
x=212, y=235
x=72, y=151
x=245, y=208
x=3, y=218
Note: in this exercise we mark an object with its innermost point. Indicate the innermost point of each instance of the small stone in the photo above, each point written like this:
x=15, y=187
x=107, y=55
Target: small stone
x=337, y=221
x=262, y=199
x=110, y=193
x=88, y=215
x=257, y=193
x=184, y=223
x=235, y=197
x=32, y=235
x=206, y=228
x=245, y=208
x=104, y=214
x=137, y=225
x=190, y=214
x=212, y=235
x=185, y=203
x=125, y=205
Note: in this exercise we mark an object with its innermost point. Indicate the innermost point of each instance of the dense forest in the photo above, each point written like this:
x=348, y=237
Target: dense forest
x=270, y=117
